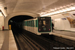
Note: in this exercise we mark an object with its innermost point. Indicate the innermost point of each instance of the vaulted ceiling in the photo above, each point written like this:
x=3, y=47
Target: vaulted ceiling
x=34, y=6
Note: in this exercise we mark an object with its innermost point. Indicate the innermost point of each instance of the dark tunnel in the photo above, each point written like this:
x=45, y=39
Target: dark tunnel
x=17, y=22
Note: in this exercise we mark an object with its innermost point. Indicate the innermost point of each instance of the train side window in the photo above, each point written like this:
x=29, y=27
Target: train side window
x=33, y=23
x=36, y=23
x=25, y=23
x=29, y=23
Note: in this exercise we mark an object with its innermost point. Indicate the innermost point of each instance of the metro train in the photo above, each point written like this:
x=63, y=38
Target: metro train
x=40, y=25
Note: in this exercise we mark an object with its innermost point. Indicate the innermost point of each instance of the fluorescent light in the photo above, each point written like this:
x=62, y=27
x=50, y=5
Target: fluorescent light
x=1, y=14
x=60, y=11
x=61, y=7
x=57, y=19
x=52, y=10
x=73, y=8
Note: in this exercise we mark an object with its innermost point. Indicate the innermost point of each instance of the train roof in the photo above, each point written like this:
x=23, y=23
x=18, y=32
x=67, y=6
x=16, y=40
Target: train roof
x=30, y=19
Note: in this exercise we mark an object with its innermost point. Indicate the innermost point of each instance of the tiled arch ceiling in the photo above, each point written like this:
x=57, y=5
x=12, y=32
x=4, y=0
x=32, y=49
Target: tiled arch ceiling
x=58, y=4
x=35, y=6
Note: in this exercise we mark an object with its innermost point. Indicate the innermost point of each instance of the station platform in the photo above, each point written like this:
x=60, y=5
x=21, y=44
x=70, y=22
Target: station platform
x=65, y=34
x=7, y=41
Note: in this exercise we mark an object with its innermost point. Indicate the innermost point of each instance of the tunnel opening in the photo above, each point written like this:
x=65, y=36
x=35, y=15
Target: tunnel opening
x=16, y=23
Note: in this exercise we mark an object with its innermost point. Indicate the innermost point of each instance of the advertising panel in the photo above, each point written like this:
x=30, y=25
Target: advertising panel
x=70, y=19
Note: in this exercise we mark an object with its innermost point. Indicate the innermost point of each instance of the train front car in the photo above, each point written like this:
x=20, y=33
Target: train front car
x=38, y=26
x=44, y=25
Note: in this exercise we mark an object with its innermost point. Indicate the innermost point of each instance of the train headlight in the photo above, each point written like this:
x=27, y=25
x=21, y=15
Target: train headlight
x=49, y=29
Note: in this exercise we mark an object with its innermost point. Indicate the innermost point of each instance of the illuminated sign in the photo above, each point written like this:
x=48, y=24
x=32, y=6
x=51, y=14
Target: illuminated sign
x=63, y=18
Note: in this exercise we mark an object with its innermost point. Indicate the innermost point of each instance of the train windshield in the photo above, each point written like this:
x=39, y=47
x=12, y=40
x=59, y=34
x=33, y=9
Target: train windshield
x=44, y=24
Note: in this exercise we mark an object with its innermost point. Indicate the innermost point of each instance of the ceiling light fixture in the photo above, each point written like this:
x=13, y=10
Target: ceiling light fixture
x=1, y=14
x=58, y=10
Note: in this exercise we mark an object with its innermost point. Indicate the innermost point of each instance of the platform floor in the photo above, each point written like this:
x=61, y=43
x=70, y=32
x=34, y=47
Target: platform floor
x=1, y=38
x=7, y=41
x=65, y=34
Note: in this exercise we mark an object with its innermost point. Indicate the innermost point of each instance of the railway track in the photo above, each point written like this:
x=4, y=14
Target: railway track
x=25, y=43
x=30, y=41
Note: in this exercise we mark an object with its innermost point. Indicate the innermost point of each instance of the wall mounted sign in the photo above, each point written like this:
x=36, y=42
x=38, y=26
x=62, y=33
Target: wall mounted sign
x=70, y=19
x=63, y=18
